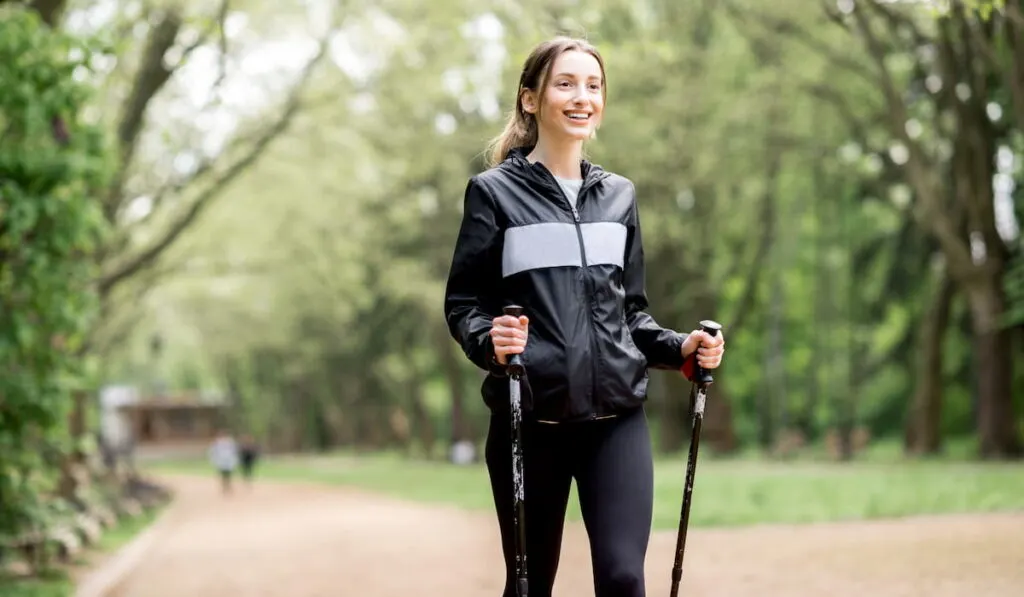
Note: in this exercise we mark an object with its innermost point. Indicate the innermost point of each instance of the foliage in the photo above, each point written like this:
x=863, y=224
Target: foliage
x=776, y=196
x=51, y=164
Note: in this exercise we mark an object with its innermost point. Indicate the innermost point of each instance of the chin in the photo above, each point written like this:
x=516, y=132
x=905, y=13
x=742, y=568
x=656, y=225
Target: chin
x=578, y=135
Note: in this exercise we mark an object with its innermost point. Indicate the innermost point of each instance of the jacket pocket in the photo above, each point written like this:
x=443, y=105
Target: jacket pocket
x=627, y=336
x=544, y=374
x=623, y=372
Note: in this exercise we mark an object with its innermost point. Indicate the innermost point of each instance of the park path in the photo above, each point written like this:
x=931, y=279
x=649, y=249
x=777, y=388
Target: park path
x=293, y=540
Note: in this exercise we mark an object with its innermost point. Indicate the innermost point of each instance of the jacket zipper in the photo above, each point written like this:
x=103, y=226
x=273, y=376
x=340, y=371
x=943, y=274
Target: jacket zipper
x=586, y=281
x=587, y=183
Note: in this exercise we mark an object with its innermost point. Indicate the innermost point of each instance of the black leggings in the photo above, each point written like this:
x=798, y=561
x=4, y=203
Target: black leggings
x=612, y=464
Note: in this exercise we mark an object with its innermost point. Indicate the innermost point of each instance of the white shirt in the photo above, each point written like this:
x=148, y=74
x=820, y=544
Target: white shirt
x=571, y=188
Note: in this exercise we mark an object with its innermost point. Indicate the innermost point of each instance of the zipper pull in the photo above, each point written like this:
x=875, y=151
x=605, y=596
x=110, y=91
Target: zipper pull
x=575, y=214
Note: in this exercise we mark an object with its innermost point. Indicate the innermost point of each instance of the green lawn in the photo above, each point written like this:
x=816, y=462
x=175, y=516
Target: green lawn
x=52, y=584
x=726, y=492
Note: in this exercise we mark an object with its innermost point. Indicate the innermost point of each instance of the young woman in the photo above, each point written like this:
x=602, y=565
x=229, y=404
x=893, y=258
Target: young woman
x=546, y=229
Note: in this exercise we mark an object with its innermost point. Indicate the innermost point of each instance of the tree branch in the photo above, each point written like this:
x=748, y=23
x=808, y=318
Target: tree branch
x=148, y=255
x=50, y=11
x=858, y=126
x=928, y=207
x=1014, y=28
x=780, y=27
x=897, y=20
x=153, y=73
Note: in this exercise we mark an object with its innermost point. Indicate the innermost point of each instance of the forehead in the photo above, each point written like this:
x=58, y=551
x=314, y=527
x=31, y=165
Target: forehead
x=576, y=63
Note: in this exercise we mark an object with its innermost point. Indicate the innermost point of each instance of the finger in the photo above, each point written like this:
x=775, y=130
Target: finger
x=509, y=341
x=503, y=332
x=707, y=339
x=506, y=347
x=506, y=321
x=507, y=330
x=506, y=351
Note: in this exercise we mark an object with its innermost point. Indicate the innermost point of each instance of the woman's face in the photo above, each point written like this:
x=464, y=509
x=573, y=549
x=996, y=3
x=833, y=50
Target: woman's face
x=571, y=103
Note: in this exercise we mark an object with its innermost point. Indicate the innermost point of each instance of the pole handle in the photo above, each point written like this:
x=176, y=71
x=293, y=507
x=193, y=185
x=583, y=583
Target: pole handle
x=701, y=375
x=515, y=361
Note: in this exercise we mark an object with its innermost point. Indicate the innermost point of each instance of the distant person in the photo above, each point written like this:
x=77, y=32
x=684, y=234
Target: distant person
x=549, y=230
x=223, y=455
x=249, y=452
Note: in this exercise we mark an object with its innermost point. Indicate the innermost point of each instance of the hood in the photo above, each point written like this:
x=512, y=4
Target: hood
x=538, y=176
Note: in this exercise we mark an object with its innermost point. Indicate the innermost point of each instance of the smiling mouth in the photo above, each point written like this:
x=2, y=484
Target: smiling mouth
x=577, y=116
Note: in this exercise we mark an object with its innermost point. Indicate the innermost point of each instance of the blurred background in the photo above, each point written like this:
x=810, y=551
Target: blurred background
x=240, y=214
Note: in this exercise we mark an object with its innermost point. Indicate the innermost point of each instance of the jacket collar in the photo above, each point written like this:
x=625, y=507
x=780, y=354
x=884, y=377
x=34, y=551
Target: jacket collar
x=517, y=159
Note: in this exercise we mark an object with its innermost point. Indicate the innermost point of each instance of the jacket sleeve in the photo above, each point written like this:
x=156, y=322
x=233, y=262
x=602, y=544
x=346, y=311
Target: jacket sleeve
x=661, y=346
x=473, y=278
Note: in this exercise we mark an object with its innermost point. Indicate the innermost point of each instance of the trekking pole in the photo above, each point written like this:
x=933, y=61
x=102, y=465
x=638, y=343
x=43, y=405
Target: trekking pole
x=515, y=372
x=701, y=380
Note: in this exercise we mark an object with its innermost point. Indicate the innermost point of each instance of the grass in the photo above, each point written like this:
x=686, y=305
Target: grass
x=59, y=582
x=727, y=492
x=54, y=583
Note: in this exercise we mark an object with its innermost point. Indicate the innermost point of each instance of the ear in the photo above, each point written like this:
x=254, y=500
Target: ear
x=529, y=99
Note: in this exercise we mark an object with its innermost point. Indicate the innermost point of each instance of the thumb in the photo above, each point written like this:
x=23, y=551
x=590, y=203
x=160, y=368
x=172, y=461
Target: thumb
x=693, y=342
x=524, y=320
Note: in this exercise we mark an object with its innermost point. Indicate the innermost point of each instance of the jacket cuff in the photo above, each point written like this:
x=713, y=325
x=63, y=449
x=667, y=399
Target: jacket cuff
x=689, y=367
x=493, y=366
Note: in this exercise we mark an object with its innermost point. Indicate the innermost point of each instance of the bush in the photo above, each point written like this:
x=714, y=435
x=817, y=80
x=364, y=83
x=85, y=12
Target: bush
x=53, y=168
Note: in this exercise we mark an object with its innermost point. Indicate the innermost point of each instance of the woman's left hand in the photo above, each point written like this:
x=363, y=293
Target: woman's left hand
x=709, y=348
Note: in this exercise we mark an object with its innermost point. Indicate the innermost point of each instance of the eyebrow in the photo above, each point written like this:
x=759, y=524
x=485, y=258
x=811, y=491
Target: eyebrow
x=573, y=75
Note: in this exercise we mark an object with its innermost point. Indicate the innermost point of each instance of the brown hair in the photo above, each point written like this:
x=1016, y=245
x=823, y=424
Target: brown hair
x=521, y=127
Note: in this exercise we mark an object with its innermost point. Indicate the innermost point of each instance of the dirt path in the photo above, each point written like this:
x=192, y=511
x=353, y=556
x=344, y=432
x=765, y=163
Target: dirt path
x=310, y=541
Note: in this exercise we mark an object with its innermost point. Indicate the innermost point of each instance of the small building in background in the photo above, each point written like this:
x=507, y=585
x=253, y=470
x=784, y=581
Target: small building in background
x=132, y=423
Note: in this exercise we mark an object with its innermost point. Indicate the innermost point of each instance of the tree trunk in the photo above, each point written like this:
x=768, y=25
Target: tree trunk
x=674, y=426
x=774, y=392
x=422, y=424
x=718, y=427
x=992, y=345
x=74, y=461
x=460, y=430
x=923, y=425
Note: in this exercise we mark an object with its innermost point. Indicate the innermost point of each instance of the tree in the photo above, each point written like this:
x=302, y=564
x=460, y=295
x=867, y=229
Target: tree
x=51, y=165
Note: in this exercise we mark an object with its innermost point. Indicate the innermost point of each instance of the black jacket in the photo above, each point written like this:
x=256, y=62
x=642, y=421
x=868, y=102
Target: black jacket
x=578, y=273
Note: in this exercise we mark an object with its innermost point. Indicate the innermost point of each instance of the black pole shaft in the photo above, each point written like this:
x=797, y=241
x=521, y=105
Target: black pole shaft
x=702, y=380
x=684, y=516
x=519, y=513
x=515, y=372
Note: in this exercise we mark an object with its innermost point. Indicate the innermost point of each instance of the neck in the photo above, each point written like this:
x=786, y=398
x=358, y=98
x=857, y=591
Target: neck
x=561, y=158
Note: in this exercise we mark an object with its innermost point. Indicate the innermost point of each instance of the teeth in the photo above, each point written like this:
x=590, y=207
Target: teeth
x=578, y=115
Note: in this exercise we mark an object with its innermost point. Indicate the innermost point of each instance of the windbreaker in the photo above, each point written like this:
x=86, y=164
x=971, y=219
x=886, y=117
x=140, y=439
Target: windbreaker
x=578, y=272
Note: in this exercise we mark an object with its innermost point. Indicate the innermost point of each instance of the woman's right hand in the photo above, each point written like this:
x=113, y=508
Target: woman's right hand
x=508, y=334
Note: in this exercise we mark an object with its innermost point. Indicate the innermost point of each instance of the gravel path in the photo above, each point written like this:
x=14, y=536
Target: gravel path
x=315, y=541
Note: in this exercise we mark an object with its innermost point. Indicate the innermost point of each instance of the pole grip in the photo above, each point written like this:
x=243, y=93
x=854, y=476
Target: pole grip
x=515, y=361
x=701, y=375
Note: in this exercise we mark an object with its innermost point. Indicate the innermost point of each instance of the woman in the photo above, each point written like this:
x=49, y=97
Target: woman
x=546, y=229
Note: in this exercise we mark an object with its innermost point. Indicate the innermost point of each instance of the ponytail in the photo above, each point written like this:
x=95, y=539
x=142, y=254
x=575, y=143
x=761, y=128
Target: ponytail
x=520, y=131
